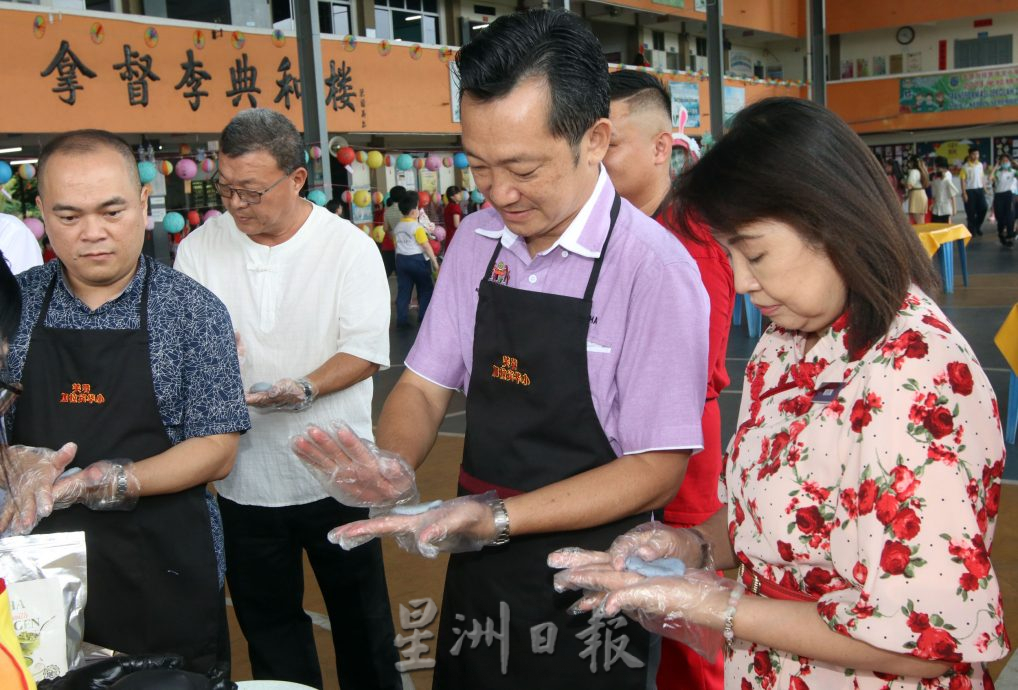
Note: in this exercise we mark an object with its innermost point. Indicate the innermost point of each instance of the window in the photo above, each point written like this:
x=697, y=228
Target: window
x=657, y=40
x=984, y=50
x=334, y=17
x=701, y=46
x=413, y=21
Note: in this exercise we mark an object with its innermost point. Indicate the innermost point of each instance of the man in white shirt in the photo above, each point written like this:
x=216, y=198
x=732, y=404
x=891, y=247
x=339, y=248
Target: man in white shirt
x=973, y=182
x=309, y=301
x=18, y=244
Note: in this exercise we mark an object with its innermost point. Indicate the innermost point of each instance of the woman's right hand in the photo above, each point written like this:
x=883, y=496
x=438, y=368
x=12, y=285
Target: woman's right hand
x=649, y=542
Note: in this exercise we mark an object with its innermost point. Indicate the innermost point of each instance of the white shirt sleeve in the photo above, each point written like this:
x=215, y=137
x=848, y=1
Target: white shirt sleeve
x=18, y=244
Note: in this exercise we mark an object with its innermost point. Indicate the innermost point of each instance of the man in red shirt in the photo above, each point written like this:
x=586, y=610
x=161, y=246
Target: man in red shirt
x=638, y=163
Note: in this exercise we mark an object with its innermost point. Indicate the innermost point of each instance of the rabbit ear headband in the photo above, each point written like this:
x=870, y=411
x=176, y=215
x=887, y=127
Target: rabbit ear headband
x=679, y=137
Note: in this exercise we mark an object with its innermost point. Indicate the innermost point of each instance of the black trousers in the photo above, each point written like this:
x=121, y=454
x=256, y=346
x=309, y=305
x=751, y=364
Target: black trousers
x=265, y=574
x=1003, y=209
x=975, y=210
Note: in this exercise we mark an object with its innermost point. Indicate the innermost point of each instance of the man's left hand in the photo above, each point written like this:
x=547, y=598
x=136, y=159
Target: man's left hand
x=285, y=394
x=462, y=524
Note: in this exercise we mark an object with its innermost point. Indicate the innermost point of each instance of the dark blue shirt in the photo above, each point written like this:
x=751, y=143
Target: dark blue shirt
x=192, y=348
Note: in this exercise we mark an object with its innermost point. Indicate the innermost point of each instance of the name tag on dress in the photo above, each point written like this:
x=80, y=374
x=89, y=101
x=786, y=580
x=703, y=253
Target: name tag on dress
x=827, y=393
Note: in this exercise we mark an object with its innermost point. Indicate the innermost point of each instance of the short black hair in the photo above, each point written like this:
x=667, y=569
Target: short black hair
x=81, y=141
x=261, y=129
x=553, y=44
x=395, y=194
x=407, y=203
x=643, y=89
x=452, y=190
x=836, y=198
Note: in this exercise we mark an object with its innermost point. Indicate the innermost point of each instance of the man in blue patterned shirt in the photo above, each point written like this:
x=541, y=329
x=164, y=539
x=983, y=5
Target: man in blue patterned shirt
x=136, y=364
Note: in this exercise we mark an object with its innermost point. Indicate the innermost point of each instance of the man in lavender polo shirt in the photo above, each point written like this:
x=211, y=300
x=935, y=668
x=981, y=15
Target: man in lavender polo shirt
x=578, y=330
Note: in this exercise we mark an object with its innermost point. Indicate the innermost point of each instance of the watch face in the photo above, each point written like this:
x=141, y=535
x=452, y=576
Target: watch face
x=905, y=35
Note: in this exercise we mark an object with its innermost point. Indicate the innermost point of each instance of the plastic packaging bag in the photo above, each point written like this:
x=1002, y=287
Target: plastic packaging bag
x=46, y=579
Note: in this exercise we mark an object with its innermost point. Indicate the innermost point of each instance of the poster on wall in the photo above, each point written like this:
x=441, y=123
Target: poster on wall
x=895, y=63
x=990, y=88
x=879, y=65
x=361, y=215
x=685, y=94
x=862, y=67
x=734, y=99
x=847, y=69
x=454, y=90
x=913, y=62
x=1004, y=145
x=954, y=150
x=740, y=63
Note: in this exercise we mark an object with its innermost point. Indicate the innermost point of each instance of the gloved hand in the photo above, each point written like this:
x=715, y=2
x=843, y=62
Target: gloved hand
x=691, y=609
x=103, y=674
x=31, y=473
x=462, y=524
x=654, y=540
x=354, y=471
x=284, y=394
x=103, y=485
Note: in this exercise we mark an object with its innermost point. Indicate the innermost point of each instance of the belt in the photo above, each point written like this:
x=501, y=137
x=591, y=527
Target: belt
x=769, y=589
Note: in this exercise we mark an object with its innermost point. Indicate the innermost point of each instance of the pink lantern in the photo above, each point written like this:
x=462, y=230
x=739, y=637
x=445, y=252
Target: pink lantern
x=316, y=152
x=186, y=169
x=36, y=226
x=433, y=162
x=439, y=232
x=150, y=223
x=211, y=213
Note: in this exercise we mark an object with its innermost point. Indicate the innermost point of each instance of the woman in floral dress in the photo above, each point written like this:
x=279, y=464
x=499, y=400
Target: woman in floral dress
x=863, y=481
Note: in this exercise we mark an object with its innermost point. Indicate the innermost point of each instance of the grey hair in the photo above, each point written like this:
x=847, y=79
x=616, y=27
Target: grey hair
x=261, y=129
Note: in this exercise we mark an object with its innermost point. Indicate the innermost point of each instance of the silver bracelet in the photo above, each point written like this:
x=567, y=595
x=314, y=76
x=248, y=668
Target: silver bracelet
x=728, y=629
x=501, y=522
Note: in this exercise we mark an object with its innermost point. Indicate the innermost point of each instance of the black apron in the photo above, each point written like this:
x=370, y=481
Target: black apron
x=531, y=422
x=152, y=580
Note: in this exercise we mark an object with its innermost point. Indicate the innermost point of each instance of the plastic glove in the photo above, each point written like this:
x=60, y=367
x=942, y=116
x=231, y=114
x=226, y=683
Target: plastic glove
x=31, y=473
x=106, y=672
x=653, y=540
x=462, y=524
x=103, y=485
x=284, y=394
x=690, y=609
x=354, y=471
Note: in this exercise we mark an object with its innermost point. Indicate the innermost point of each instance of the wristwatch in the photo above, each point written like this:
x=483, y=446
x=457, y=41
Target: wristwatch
x=120, y=484
x=309, y=394
x=501, y=522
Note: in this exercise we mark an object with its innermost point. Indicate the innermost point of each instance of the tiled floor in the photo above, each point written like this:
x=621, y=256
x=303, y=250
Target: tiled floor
x=977, y=310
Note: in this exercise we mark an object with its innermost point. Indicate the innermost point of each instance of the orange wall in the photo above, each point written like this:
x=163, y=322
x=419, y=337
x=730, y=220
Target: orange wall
x=786, y=17
x=845, y=16
x=872, y=106
x=400, y=93
x=754, y=93
x=31, y=106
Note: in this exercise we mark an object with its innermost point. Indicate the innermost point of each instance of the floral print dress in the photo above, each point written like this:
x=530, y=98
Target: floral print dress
x=872, y=483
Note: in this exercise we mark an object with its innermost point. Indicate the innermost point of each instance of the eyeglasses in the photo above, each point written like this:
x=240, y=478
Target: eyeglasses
x=247, y=196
